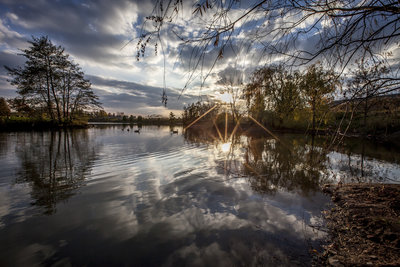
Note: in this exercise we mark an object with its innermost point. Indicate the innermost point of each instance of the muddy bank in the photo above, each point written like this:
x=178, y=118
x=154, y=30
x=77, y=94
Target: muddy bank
x=364, y=226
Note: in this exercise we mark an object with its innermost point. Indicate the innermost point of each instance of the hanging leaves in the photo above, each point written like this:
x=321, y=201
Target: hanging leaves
x=200, y=8
x=141, y=46
x=216, y=40
x=164, y=98
x=221, y=54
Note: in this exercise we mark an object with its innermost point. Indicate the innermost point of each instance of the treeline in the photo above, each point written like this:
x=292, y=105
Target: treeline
x=50, y=86
x=305, y=101
x=103, y=116
x=195, y=110
x=284, y=99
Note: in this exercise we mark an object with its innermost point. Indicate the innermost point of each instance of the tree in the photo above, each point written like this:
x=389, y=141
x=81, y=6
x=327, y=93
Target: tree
x=317, y=84
x=21, y=106
x=195, y=110
x=4, y=108
x=232, y=79
x=102, y=114
x=50, y=80
x=276, y=89
x=172, y=118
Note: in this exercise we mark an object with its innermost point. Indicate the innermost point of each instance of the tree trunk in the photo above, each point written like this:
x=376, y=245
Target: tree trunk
x=68, y=96
x=365, y=112
x=50, y=110
x=64, y=95
x=313, y=116
x=54, y=94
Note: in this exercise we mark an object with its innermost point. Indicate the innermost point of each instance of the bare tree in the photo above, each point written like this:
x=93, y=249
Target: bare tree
x=299, y=32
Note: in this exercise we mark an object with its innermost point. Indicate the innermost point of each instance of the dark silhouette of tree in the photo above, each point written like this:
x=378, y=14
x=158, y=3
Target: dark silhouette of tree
x=195, y=110
x=50, y=81
x=172, y=118
x=4, y=108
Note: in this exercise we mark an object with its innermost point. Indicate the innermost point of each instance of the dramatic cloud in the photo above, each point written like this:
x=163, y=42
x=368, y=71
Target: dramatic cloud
x=95, y=34
x=102, y=36
x=142, y=99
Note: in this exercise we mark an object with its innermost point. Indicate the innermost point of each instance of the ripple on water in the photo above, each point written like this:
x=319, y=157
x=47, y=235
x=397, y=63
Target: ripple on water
x=109, y=197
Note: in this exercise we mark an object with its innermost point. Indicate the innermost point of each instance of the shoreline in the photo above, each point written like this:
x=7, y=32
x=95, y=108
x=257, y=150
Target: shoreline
x=391, y=138
x=363, y=225
x=28, y=124
x=43, y=125
x=39, y=125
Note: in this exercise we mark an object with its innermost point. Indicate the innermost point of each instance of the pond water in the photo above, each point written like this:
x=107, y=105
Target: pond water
x=106, y=197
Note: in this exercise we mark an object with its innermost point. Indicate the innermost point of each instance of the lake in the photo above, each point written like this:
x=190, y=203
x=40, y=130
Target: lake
x=106, y=196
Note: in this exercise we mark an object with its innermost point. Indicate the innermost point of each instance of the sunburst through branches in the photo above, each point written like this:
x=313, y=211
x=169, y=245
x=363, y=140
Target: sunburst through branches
x=223, y=138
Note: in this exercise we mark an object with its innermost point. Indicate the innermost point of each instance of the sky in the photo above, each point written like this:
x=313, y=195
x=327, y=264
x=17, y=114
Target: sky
x=96, y=35
x=101, y=36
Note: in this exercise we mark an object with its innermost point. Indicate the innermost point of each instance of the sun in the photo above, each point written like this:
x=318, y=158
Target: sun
x=225, y=147
x=226, y=97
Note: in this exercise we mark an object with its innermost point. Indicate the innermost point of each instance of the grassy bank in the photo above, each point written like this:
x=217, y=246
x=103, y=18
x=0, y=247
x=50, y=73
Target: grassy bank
x=15, y=123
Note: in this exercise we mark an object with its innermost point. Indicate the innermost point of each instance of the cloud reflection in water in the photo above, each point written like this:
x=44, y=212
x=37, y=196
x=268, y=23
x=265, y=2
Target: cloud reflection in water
x=156, y=198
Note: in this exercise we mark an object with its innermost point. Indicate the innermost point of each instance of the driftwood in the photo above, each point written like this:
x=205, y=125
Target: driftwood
x=364, y=226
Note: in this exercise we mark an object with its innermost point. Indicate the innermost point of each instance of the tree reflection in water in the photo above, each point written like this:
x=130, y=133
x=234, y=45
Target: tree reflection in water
x=300, y=162
x=293, y=163
x=55, y=164
x=271, y=165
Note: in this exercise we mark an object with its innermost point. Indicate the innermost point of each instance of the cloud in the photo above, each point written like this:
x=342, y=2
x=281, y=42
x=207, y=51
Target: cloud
x=10, y=60
x=101, y=36
x=10, y=38
x=93, y=33
x=138, y=98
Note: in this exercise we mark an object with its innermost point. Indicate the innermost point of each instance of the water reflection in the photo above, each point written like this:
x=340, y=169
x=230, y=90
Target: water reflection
x=54, y=164
x=298, y=162
x=290, y=163
x=115, y=197
x=271, y=165
x=365, y=161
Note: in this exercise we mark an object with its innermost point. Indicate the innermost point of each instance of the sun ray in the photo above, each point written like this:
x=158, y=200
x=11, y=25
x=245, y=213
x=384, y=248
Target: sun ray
x=235, y=129
x=216, y=127
x=196, y=120
x=273, y=135
x=226, y=125
x=262, y=126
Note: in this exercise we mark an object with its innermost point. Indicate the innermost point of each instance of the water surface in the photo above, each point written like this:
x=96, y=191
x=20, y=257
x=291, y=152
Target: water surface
x=107, y=196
